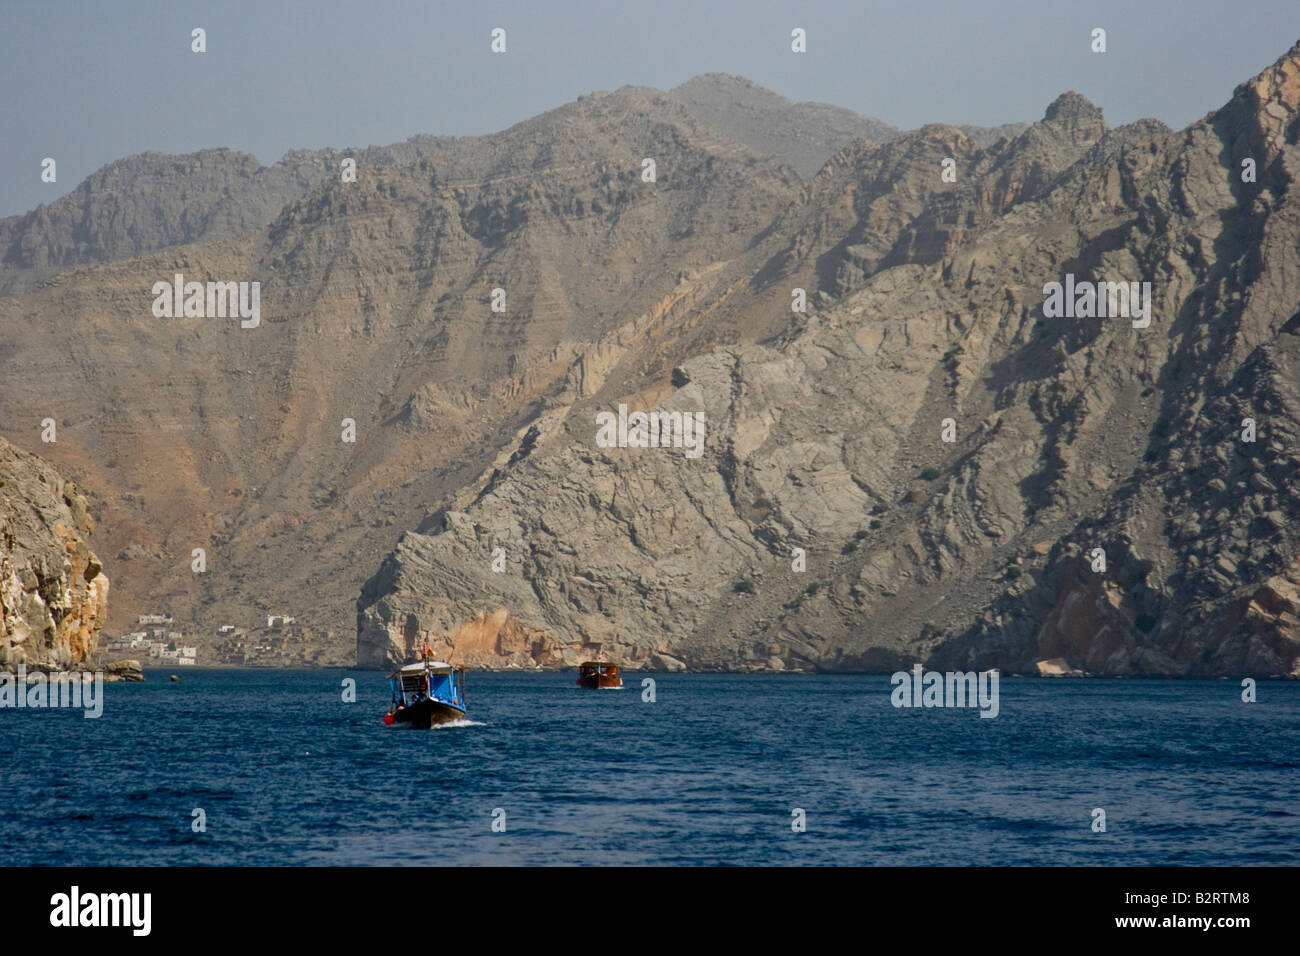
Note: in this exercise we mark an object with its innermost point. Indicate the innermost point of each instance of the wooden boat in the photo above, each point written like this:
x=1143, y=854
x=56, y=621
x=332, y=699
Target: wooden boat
x=426, y=694
x=599, y=675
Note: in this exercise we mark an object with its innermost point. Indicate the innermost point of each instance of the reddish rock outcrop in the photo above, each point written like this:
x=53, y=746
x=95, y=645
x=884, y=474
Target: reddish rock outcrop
x=53, y=590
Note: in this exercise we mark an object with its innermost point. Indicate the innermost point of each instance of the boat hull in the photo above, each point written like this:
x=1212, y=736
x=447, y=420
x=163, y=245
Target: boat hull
x=600, y=681
x=426, y=714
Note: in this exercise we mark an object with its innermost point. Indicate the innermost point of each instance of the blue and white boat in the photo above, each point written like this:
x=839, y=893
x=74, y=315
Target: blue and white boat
x=426, y=694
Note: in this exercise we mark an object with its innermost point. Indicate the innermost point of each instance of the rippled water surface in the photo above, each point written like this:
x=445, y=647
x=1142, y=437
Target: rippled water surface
x=286, y=772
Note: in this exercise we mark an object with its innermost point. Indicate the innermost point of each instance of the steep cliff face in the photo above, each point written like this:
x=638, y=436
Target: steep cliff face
x=53, y=590
x=873, y=206
x=964, y=478
x=376, y=306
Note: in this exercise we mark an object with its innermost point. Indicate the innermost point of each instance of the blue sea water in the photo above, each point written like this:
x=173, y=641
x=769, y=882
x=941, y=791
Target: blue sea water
x=286, y=772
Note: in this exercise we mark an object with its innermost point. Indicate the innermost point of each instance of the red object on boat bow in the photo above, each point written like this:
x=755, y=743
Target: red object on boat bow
x=388, y=719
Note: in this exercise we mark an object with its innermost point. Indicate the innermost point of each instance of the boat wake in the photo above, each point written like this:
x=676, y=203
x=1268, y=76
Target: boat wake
x=462, y=722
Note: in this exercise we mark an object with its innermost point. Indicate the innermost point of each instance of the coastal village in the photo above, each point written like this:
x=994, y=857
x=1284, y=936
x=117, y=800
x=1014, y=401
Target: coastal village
x=161, y=645
x=275, y=641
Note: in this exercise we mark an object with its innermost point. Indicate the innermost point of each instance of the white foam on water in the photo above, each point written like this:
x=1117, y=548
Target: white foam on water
x=462, y=722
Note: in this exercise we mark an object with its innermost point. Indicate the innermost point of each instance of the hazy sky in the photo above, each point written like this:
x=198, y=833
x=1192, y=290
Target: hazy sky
x=90, y=82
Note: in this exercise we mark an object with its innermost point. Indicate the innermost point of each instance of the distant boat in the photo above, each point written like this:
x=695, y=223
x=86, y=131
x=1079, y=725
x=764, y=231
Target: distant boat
x=598, y=675
x=426, y=694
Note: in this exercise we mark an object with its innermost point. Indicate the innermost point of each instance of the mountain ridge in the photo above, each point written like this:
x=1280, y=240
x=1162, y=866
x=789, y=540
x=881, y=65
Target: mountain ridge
x=474, y=428
x=218, y=193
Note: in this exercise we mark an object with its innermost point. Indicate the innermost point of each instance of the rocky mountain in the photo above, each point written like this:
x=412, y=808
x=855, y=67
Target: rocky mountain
x=801, y=135
x=933, y=464
x=377, y=308
x=872, y=206
x=414, y=416
x=152, y=201
x=53, y=590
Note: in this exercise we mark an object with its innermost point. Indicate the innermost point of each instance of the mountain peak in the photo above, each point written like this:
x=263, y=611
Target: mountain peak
x=724, y=79
x=1078, y=117
x=1277, y=92
x=1266, y=108
x=719, y=90
x=1072, y=107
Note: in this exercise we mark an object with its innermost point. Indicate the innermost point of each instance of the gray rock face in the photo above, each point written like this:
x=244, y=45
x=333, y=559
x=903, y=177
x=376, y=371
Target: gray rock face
x=375, y=299
x=1071, y=437
x=53, y=591
x=153, y=201
x=801, y=135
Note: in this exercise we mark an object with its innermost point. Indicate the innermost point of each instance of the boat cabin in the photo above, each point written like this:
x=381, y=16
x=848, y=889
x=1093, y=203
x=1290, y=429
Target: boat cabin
x=599, y=674
x=428, y=680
